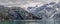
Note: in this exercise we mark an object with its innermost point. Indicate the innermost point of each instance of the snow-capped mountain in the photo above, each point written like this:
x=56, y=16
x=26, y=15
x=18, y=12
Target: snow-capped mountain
x=46, y=10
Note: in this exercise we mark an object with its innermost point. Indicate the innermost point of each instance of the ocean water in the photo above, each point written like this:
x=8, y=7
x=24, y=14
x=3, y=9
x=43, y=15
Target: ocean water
x=30, y=22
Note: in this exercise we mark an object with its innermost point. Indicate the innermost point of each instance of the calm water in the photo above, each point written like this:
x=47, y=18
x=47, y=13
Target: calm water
x=30, y=22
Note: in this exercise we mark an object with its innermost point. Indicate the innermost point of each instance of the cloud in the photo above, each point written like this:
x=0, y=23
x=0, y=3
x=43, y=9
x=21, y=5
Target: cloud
x=25, y=3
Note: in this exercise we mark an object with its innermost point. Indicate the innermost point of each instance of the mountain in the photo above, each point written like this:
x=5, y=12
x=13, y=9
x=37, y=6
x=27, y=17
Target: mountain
x=16, y=13
x=46, y=10
x=49, y=10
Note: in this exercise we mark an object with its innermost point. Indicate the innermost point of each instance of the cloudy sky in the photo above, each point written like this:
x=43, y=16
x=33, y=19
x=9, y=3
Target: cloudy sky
x=25, y=3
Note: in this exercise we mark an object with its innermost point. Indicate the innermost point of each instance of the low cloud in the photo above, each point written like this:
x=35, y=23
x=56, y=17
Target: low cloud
x=25, y=3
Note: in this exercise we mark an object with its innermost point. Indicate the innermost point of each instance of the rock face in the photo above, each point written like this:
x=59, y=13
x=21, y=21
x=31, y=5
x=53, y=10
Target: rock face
x=16, y=13
x=47, y=10
x=19, y=13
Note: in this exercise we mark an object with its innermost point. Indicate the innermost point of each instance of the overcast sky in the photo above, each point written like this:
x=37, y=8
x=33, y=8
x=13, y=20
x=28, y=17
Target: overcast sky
x=25, y=3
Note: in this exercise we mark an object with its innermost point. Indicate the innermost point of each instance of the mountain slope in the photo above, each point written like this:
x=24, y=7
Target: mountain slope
x=16, y=13
x=46, y=10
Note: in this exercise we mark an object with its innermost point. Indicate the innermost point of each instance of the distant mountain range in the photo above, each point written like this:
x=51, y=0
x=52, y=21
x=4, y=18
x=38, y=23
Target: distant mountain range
x=16, y=13
x=50, y=10
x=46, y=11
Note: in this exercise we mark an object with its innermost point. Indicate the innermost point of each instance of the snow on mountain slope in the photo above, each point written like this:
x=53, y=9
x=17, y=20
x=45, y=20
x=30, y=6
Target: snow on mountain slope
x=48, y=10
